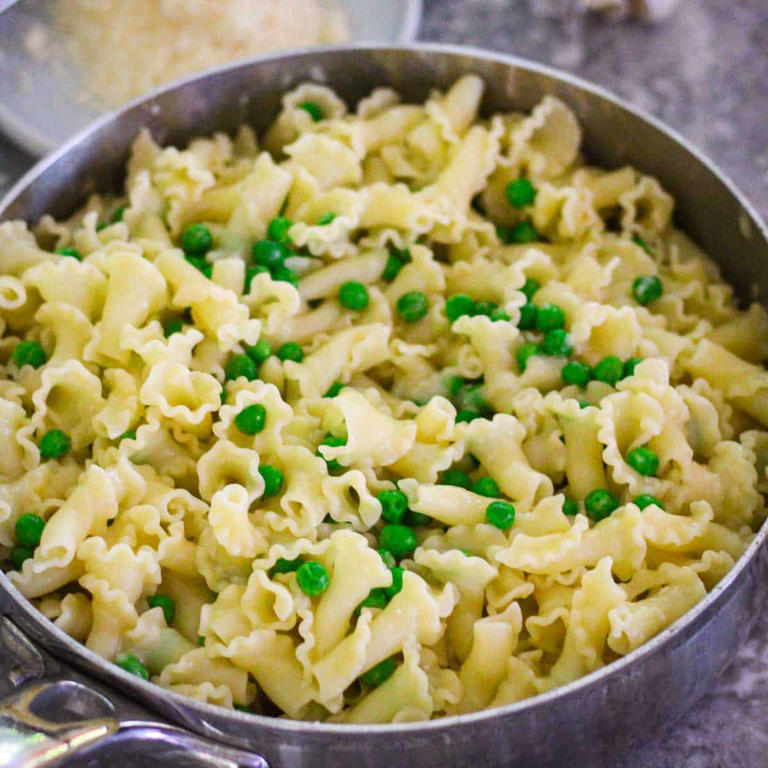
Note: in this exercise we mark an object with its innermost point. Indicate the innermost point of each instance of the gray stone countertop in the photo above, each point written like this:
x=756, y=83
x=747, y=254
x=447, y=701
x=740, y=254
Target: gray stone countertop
x=705, y=72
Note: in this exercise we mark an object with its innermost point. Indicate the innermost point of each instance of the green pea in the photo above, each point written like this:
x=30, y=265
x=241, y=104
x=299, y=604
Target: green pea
x=19, y=555
x=530, y=287
x=637, y=240
x=500, y=514
x=387, y=558
x=486, y=486
x=470, y=396
x=599, y=504
x=198, y=262
x=379, y=673
x=524, y=353
x=196, y=240
x=549, y=317
x=499, y=315
x=250, y=273
x=131, y=664
x=164, y=602
x=29, y=353
x=645, y=500
x=129, y=434
x=394, y=505
x=453, y=384
x=353, y=295
x=377, y=598
x=241, y=365
x=396, y=260
x=630, y=365
x=609, y=370
x=118, y=213
x=646, y=289
x=577, y=373
x=400, y=540
x=457, y=305
x=334, y=389
x=520, y=193
x=570, y=507
x=291, y=351
x=54, y=444
x=397, y=582
x=269, y=253
x=486, y=308
x=456, y=477
x=466, y=415
x=325, y=218
x=29, y=529
x=556, y=343
x=412, y=306
x=251, y=420
x=313, y=110
x=278, y=229
x=312, y=578
x=528, y=314
x=174, y=325
x=72, y=253
x=416, y=519
x=519, y=234
x=285, y=275
x=643, y=460
x=273, y=479
x=201, y=642
x=259, y=351
x=391, y=268
x=334, y=442
x=285, y=566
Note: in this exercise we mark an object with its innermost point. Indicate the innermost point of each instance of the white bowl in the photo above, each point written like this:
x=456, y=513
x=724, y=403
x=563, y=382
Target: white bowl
x=41, y=103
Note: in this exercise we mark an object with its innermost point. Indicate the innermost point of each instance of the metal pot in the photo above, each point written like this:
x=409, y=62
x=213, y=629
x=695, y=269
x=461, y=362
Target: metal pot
x=50, y=678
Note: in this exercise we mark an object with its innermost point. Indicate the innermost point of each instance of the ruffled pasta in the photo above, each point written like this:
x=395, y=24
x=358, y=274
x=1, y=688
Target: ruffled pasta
x=234, y=433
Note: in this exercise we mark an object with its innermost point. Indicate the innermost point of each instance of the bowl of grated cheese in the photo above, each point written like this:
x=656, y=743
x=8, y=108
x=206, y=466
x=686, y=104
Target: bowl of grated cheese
x=66, y=63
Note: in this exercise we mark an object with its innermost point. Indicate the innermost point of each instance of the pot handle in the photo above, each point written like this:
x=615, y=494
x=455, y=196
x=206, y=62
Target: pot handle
x=46, y=721
x=29, y=738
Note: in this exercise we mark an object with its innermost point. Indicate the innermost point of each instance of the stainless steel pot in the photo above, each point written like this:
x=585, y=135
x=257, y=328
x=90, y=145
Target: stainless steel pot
x=62, y=699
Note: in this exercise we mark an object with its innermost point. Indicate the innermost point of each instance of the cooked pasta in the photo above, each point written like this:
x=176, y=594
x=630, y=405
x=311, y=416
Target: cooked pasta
x=383, y=416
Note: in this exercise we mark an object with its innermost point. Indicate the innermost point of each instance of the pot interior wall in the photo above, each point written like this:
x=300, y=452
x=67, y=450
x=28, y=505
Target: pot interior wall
x=251, y=92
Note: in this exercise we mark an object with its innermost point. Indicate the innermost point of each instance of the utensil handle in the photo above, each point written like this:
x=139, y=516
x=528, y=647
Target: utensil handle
x=28, y=740
x=47, y=720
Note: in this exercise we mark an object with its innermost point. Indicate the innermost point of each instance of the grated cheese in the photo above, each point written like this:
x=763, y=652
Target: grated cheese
x=130, y=46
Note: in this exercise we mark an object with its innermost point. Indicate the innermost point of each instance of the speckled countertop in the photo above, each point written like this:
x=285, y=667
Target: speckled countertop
x=705, y=72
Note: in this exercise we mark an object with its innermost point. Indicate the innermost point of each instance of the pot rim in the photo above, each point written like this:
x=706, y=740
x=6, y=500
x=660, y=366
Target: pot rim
x=148, y=691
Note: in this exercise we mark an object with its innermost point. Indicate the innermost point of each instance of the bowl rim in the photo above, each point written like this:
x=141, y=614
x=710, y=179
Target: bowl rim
x=33, y=140
x=414, y=15
x=111, y=674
